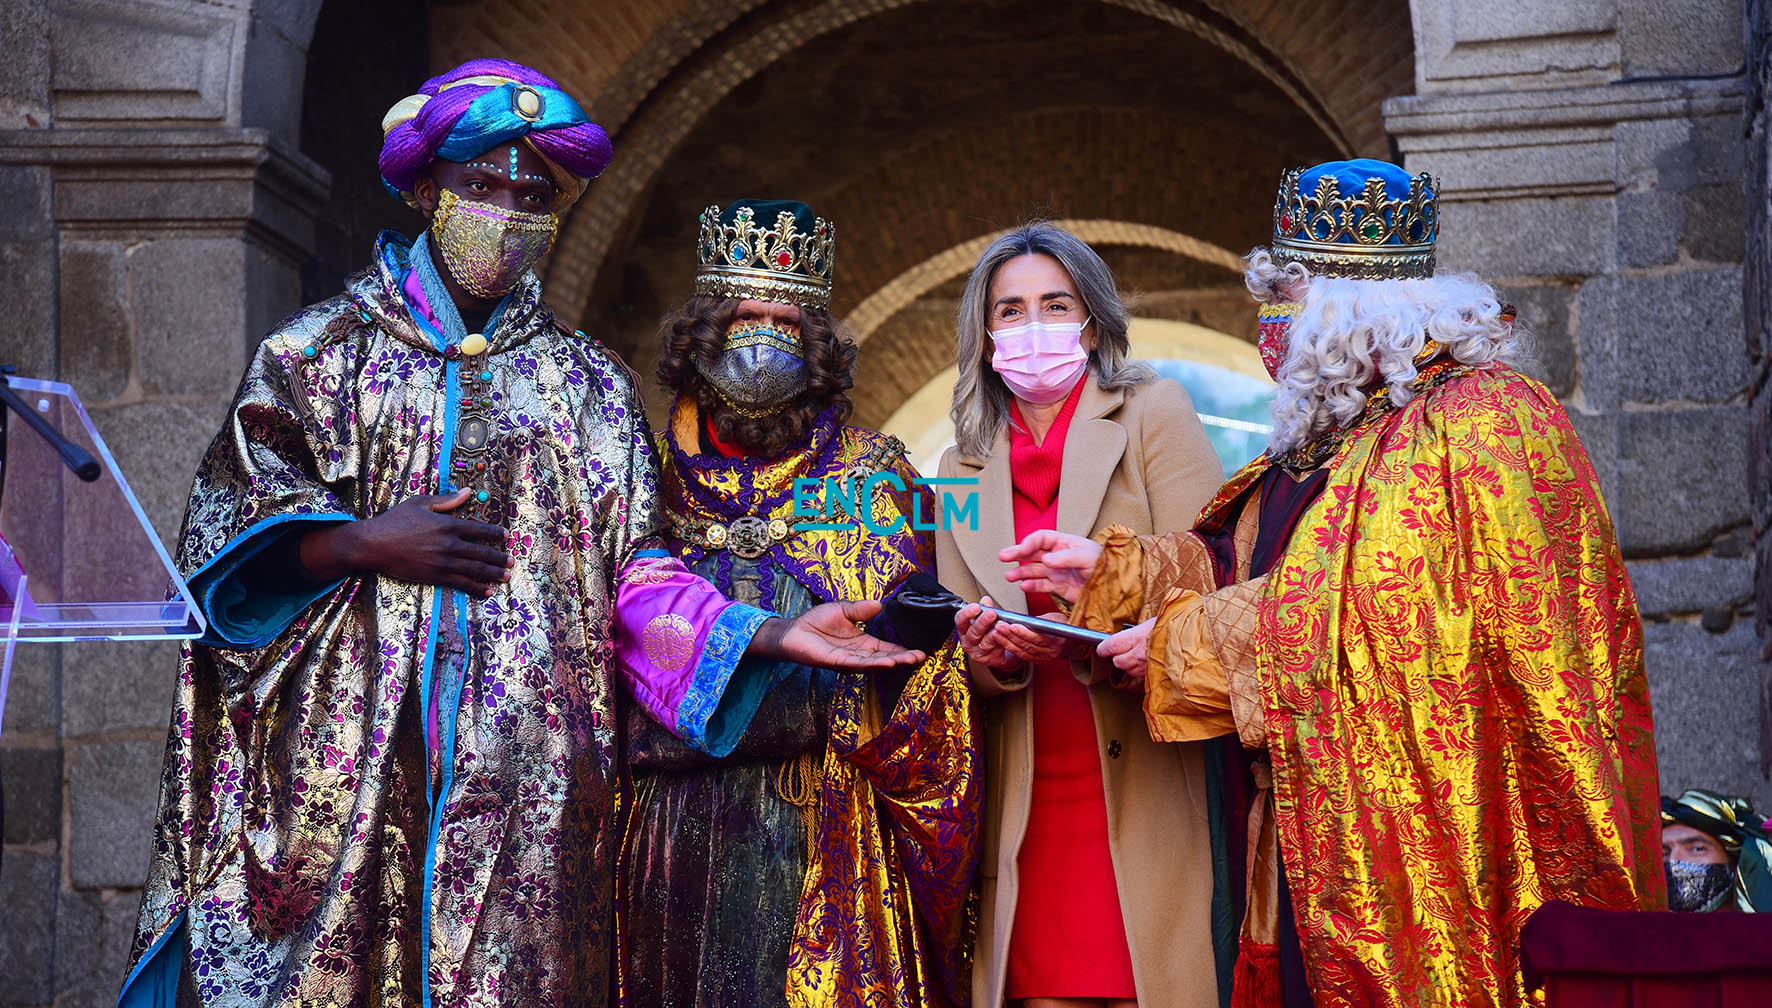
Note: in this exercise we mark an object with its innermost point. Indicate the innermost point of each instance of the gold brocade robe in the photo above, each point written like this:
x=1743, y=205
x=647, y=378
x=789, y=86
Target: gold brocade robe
x=1445, y=667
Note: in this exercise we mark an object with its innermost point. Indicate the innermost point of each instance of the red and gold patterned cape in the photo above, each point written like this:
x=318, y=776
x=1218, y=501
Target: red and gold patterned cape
x=1451, y=664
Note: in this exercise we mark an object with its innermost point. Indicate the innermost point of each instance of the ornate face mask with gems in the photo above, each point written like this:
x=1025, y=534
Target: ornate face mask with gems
x=760, y=370
x=1698, y=887
x=488, y=248
x=1273, y=327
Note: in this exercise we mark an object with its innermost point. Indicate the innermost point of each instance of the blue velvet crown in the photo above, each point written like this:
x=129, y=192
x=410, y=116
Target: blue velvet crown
x=1360, y=219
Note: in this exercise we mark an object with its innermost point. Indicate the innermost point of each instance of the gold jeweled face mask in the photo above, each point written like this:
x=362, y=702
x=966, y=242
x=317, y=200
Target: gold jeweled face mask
x=487, y=248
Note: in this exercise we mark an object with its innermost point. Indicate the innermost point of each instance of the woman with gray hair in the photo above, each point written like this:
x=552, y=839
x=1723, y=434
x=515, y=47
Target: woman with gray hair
x=1098, y=876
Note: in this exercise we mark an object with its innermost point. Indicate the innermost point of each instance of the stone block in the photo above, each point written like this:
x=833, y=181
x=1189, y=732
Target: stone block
x=1650, y=225
x=32, y=779
x=1681, y=478
x=1543, y=314
x=27, y=302
x=27, y=926
x=1648, y=149
x=1703, y=687
x=1600, y=372
x=1527, y=161
x=28, y=262
x=113, y=790
x=117, y=687
x=273, y=293
x=272, y=61
x=1566, y=236
x=1469, y=46
x=95, y=331
x=30, y=214
x=94, y=934
x=185, y=293
x=1680, y=38
x=117, y=62
x=1599, y=438
x=24, y=75
x=1690, y=584
x=1712, y=230
x=33, y=699
x=158, y=446
x=79, y=937
x=1679, y=336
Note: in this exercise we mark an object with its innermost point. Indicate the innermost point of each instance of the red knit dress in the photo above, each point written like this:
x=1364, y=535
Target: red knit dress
x=1068, y=939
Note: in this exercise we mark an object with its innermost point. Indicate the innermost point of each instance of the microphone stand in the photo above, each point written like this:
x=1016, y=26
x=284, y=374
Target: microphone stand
x=77, y=459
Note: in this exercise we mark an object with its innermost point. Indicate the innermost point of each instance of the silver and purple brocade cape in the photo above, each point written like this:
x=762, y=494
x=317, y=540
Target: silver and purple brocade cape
x=299, y=857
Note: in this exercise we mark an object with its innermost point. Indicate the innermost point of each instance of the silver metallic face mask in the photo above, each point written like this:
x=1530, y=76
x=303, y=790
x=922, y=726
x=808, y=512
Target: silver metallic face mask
x=1698, y=887
x=760, y=370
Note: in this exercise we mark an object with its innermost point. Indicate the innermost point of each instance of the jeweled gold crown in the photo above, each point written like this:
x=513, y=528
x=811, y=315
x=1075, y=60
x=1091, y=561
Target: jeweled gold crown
x=1376, y=232
x=766, y=250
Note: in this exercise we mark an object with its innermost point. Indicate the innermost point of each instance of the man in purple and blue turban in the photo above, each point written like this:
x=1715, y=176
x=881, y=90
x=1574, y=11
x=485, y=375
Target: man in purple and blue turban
x=426, y=546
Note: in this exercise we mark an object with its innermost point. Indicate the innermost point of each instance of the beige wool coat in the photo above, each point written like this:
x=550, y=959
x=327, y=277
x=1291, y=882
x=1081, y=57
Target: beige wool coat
x=1139, y=458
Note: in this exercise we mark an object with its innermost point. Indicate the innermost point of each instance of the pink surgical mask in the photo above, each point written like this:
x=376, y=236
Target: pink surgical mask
x=1040, y=361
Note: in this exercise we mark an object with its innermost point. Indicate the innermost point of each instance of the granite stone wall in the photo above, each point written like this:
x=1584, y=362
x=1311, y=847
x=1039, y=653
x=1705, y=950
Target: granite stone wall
x=158, y=215
x=1757, y=310
x=1596, y=165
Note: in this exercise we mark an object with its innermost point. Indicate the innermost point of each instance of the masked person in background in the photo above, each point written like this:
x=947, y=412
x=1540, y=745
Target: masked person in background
x=1718, y=853
x=1411, y=612
x=426, y=544
x=827, y=859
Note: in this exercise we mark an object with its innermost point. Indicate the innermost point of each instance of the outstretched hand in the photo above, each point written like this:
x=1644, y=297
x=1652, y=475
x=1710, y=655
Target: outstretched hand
x=829, y=636
x=1052, y=562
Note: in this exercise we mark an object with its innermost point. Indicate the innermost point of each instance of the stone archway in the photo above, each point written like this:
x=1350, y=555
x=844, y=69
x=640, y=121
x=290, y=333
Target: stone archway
x=663, y=92
x=903, y=290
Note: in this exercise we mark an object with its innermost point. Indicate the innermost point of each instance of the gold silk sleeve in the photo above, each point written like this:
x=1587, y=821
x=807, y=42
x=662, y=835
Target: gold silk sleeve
x=1174, y=560
x=1135, y=572
x=1115, y=592
x=1200, y=680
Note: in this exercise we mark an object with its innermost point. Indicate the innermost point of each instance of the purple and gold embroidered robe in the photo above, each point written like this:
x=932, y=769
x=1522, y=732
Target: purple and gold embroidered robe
x=829, y=859
x=313, y=846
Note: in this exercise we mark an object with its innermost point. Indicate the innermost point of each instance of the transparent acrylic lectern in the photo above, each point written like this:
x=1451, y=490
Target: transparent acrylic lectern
x=78, y=559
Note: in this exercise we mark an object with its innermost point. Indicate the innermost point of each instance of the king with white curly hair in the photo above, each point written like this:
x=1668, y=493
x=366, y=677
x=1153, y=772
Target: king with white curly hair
x=1408, y=624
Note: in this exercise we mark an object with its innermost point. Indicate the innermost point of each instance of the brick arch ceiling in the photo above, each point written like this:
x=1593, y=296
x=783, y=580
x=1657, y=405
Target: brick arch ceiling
x=1206, y=187
x=907, y=287
x=1336, y=59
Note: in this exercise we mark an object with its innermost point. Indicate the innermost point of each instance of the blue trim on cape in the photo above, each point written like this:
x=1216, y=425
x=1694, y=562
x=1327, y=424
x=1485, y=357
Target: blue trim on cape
x=437, y=795
x=241, y=620
x=158, y=970
x=727, y=689
x=432, y=284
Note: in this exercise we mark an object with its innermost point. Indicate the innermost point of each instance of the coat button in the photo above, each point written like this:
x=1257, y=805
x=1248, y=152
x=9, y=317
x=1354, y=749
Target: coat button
x=1113, y=749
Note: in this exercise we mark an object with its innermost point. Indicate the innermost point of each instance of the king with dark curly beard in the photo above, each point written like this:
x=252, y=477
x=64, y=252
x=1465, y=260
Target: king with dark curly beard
x=831, y=855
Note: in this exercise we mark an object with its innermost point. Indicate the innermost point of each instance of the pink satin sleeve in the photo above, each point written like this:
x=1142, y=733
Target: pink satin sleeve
x=680, y=645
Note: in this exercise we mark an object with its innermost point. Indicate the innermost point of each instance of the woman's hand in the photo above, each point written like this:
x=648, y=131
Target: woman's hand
x=1128, y=649
x=981, y=640
x=1037, y=647
x=416, y=540
x=1052, y=562
x=829, y=636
